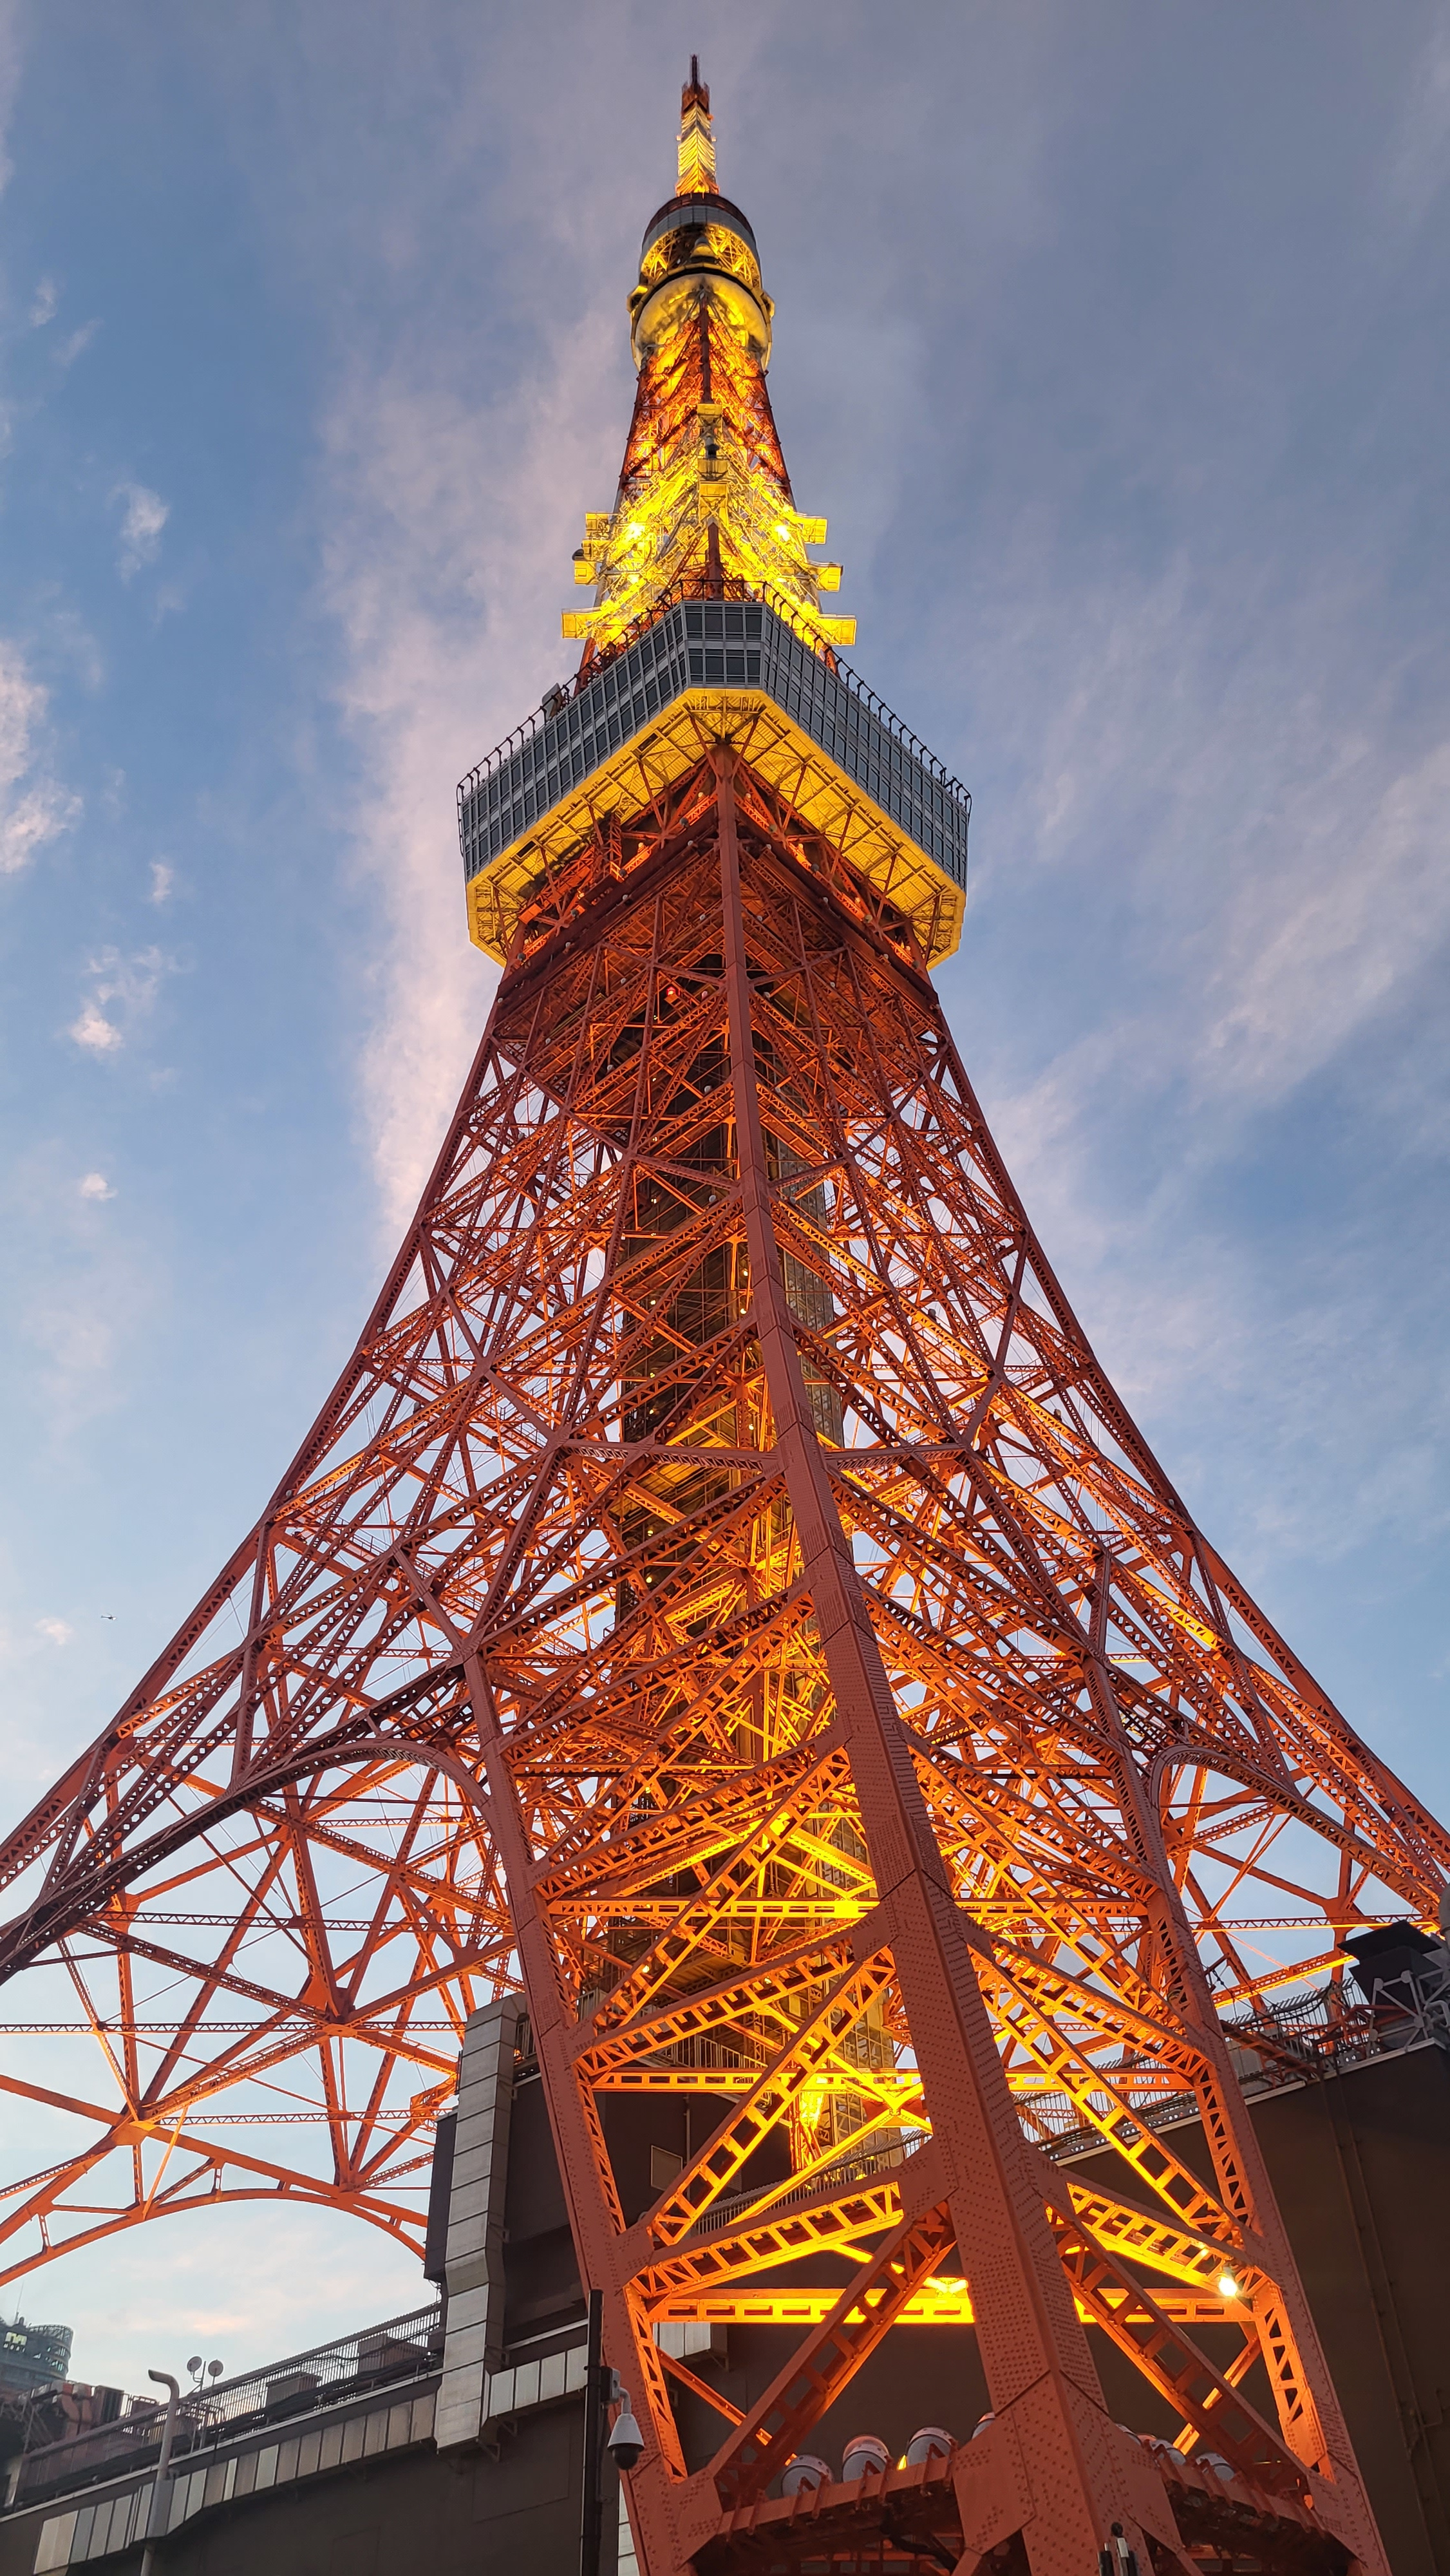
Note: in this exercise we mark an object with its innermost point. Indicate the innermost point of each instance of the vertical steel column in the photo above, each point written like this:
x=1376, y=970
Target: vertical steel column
x=595, y=2218
x=1041, y=2375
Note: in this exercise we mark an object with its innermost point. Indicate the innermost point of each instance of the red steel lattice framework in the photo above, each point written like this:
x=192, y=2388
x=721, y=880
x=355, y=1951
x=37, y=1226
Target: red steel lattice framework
x=724, y=1595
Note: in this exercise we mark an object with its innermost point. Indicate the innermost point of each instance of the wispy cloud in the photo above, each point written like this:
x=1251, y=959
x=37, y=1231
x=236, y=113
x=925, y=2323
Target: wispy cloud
x=433, y=673
x=1237, y=806
x=34, y=807
x=144, y=515
x=56, y=1632
x=1277, y=817
x=69, y=644
x=10, y=31
x=123, y=992
x=43, y=306
x=86, y=1287
x=76, y=343
x=1317, y=944
x=450, y=499
x=163, y=878
x=1418, y=171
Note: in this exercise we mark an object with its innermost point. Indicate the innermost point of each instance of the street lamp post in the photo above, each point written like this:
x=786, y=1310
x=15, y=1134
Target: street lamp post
x=156, y=2518
x=623, y=2442
x=592, y=2516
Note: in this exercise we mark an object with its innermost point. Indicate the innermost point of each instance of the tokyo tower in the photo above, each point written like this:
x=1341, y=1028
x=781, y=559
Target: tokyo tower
x=724, y=1597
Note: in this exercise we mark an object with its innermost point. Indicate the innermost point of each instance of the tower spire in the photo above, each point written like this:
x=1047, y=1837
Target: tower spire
x=697, y=137
x=704, y=499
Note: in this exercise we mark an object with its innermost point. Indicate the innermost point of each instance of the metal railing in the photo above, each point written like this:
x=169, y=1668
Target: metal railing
x=867, y=2166
x=1319, y=2033
x=1301, y=2041
x=399, y=2349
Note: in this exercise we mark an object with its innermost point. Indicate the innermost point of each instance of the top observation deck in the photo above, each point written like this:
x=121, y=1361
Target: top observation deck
x=701, y=672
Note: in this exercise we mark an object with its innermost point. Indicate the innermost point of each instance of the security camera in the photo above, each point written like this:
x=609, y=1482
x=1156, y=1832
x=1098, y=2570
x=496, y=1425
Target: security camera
x=626, y=2441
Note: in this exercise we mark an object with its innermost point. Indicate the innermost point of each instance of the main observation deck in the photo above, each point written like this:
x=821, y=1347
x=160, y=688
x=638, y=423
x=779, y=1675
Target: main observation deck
x=702, y=672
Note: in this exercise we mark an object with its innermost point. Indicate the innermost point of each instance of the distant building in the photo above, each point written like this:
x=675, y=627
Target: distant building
x=33, y=2356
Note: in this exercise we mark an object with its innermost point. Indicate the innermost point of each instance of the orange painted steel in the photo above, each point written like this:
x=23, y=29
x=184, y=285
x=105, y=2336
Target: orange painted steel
x=724, y=1595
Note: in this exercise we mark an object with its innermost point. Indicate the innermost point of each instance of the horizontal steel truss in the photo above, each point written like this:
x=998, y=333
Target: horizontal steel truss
x=876, y=1755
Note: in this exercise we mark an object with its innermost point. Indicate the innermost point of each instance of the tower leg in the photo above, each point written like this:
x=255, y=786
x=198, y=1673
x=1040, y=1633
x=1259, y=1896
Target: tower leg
x=1040, y=2373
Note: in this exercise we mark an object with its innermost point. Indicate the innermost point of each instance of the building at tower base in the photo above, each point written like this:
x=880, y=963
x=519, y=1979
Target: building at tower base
x=398, y=2447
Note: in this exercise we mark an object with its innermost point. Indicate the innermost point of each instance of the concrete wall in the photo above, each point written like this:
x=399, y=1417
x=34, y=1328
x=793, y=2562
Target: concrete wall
x=490, y=2513
x=474, y=2266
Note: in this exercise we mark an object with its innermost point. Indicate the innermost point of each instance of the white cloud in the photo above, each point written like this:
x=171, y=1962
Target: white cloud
x=70, y=350
x=1268, y=821
x=449, y=500
x=22, y=703
x=91, y=1028
x=34, y=807
x=1360, y=897
x=47, y=297
x=1241, y=804
x=438, y=666
x=125, y=987
x=163, y=878
x=144, y=517
x=83, y=1291
x=55, y=1631
x=26, y=825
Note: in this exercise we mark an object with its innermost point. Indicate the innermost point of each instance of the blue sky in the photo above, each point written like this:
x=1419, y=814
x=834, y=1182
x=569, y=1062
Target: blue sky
x=1114, y=344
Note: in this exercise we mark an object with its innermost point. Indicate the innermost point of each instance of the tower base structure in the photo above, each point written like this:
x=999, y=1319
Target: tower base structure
x=395, y=2443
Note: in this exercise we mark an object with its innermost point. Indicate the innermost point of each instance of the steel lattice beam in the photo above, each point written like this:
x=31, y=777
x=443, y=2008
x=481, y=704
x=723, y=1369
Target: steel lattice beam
x=724, y=1482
